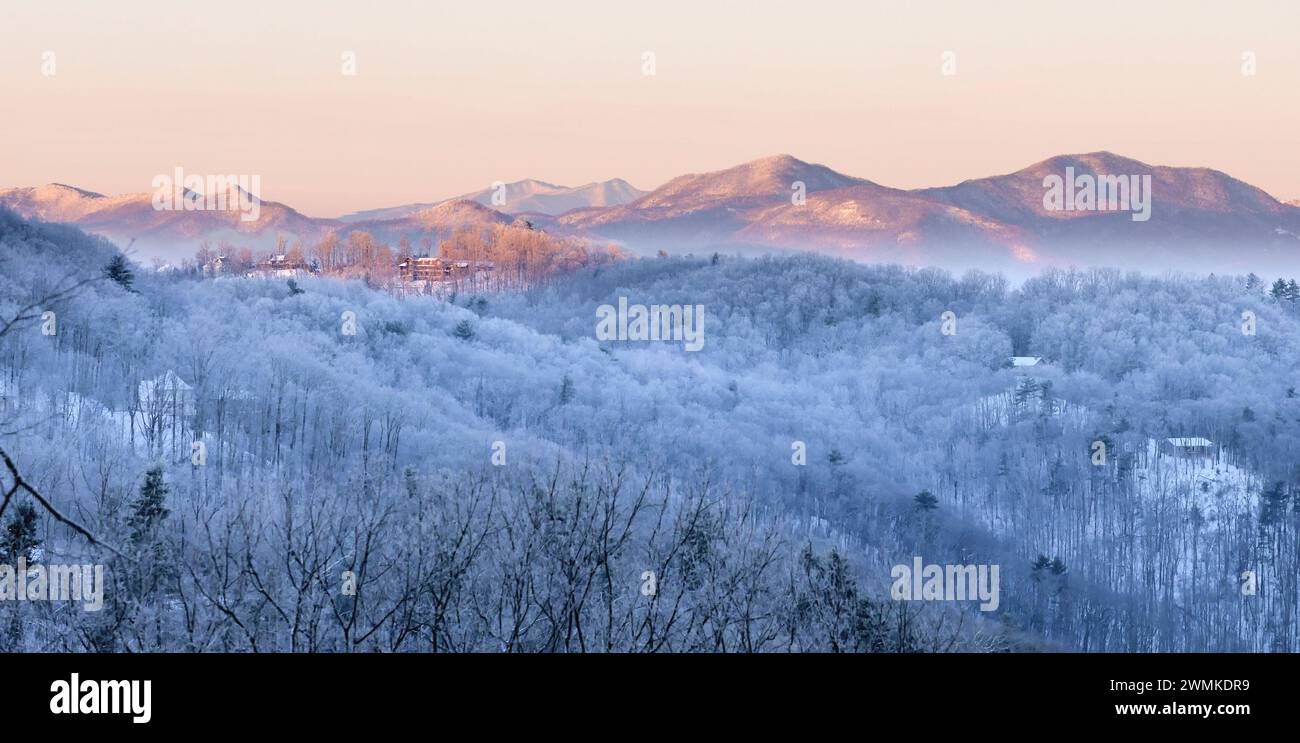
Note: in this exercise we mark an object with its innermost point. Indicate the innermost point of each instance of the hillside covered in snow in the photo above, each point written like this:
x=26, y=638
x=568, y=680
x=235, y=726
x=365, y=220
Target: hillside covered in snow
x=498, y=478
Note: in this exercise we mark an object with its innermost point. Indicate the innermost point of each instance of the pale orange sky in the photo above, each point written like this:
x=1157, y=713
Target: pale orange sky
x=451, y=96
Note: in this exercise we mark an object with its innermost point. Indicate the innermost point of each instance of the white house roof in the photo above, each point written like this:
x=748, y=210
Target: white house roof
x=168, y=382
x=1026, y=360
x=1190, y=441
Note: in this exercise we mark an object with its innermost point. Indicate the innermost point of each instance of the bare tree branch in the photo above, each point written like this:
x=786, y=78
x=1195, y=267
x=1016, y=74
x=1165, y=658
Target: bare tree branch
x=20, y=483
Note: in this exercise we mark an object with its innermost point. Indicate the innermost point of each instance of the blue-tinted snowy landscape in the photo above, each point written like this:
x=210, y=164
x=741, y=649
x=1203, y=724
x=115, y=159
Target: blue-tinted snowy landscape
x=313, y=464
x=679, y=327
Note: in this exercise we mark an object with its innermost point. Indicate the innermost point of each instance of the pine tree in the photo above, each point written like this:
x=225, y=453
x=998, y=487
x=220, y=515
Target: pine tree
x=464, y=331
x=566, y=390
x=120, y=271
x=20, y=538
x=1026, y=390
x=925, y=501
x=1274, y=505
x=1040, y=564
x=294, y=289
x=828, y=603
x=1058, y=567
x=149, y=509
x=873, y=305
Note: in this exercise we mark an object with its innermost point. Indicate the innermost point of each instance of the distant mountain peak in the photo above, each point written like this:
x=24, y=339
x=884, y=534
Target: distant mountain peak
x=767, y=180
x=74, y=189
x=536, y=183
x=518, y=197
x=780, y=160
x=448, y=215
x=458, y=206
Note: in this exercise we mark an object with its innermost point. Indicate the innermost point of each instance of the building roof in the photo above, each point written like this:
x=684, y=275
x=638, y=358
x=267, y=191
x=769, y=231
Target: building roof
x=1026, y=360
x=1190, y=441
x=168, y=382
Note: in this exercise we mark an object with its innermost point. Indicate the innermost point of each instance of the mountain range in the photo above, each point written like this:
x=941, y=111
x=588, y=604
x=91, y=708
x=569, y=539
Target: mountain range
x=528, y=195
x=1199, y=219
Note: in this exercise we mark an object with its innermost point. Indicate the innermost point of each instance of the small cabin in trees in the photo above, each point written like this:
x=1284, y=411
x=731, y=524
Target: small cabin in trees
x=424, y=268
x=215, y=266
x=1191, y=447
x=284, y=265
x=167, y=394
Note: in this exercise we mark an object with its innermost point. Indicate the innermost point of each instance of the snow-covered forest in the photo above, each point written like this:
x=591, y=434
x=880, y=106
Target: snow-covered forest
x=322, y=466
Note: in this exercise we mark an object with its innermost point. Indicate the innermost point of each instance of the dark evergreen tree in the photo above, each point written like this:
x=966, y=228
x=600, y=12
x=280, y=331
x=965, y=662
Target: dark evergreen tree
x=1027, y=393
x=464, y=331
x=1058, y=567
x=925, y=501
x=149, y=509
x=1041, y=564
x=1274, y=505
x=1278, y=290
x=873, y=305
x=119, y=270
x=832, y=614
x=20, y=539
